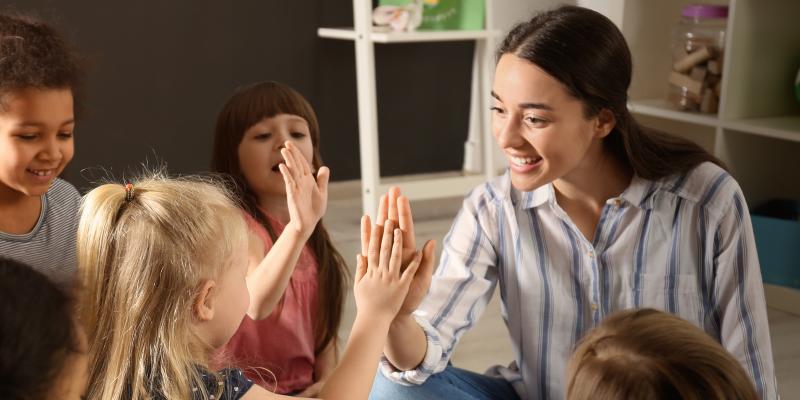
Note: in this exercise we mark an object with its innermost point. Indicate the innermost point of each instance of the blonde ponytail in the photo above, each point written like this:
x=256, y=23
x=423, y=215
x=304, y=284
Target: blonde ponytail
x=141, y=261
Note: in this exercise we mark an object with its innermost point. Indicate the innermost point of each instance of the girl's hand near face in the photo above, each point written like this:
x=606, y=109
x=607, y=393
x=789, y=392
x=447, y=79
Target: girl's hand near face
x=307, y=197
x=380, y=283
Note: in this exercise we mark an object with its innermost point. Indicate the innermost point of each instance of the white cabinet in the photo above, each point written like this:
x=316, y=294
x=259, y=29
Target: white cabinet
x=479, y=146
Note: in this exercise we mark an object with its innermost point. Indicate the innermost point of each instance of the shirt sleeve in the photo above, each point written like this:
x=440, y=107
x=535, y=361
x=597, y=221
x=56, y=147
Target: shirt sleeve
x=738, y=298
x=460, y=289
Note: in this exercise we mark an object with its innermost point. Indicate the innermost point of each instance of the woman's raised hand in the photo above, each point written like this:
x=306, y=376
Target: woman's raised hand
x=381, y=284
x=306, y=196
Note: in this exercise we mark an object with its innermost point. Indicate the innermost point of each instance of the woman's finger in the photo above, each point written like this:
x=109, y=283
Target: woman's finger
x=382, y=210
x=394, y=193
x=406, y=221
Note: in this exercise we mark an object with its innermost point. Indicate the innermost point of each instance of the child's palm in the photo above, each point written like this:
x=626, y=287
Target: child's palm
x=306, y=196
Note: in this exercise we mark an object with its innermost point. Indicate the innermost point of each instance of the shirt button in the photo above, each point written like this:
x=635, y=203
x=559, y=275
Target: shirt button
x=617, y=202
x=594, y=306
x=590, y=253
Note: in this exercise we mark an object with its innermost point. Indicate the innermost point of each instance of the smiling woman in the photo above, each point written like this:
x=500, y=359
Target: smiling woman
x=594, y=215
x=39, y=76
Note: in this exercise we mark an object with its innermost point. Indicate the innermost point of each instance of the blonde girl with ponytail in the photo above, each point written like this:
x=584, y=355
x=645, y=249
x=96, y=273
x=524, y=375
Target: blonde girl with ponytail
x=163, y=264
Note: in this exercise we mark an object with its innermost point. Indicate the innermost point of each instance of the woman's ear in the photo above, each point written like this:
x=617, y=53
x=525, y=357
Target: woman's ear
x=605, y=121
x=204, y=302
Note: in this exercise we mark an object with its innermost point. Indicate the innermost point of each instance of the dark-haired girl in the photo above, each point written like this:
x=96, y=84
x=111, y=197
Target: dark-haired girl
x=593, y=216
x=290, y=343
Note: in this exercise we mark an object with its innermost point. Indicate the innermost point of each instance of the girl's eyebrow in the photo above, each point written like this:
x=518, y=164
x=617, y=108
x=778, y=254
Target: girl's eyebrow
x=36, y=124
x=538, y=106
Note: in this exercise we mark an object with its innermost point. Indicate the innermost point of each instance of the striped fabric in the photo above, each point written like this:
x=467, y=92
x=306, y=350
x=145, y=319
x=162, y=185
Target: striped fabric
x=683, y=245
x=50, y=246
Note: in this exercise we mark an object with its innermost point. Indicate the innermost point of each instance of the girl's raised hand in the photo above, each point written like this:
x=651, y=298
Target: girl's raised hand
x=306, y=196
x=380, y=283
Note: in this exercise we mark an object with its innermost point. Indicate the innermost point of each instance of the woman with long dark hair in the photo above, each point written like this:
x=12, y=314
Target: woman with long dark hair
x=594, y=215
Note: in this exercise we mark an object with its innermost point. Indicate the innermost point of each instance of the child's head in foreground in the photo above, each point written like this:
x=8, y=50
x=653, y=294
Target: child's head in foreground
x=648, y=354
x=42, y=348
x=39, y=78
x=163, y=264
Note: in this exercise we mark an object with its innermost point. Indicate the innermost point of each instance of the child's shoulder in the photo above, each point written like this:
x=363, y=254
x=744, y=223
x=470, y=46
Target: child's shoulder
x=63, y=192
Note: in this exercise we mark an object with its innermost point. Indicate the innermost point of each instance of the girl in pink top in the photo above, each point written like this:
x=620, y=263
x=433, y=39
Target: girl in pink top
x=289, y=342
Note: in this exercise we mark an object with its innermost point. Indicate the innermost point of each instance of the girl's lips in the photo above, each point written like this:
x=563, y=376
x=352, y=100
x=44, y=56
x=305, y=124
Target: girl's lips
x=41, y=176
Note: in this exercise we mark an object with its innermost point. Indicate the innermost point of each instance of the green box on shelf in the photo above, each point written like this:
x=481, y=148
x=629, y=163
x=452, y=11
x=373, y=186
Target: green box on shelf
x=441, y=15
x=778, y=244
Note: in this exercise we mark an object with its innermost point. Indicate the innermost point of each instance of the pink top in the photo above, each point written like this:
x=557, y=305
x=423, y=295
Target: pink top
x=282, y=344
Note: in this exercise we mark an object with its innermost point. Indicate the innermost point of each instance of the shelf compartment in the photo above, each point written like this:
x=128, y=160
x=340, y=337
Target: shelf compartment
x=784, y=127
x=407, y=37
x=660, y=108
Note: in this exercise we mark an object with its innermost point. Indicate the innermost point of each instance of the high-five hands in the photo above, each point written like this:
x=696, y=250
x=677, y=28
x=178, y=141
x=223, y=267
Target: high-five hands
x=394, y=210
x=306, y=196
x=380, y=282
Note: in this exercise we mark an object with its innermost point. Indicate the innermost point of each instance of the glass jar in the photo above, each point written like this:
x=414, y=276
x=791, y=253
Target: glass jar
x=698, y=47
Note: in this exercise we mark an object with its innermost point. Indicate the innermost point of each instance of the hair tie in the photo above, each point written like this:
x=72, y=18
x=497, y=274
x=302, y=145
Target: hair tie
x=128, y=192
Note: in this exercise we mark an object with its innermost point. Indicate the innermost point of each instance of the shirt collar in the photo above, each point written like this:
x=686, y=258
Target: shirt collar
x=640, y=193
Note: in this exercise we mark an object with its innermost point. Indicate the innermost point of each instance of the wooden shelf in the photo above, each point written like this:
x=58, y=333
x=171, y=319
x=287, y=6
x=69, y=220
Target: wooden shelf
x=660, y=108
x=407, y=37
x=785, y=127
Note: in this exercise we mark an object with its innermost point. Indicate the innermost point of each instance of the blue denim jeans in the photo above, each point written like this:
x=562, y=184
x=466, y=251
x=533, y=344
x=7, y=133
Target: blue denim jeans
x=452, y=383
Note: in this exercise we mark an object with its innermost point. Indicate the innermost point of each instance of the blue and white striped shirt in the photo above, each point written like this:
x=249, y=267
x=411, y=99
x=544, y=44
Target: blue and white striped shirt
x=682, y=244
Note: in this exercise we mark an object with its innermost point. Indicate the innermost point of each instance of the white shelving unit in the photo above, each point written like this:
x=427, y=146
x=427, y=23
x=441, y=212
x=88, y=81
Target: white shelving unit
x=757, y=129
x=478, y=148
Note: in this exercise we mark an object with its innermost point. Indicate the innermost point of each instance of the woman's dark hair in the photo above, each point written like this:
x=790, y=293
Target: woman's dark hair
x=37, y=331
x=587, y=53
x=249, y=105
x=34, y=55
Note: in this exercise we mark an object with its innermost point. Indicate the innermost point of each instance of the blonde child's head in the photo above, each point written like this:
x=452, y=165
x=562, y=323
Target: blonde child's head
x=648, y=354
x=163, y=266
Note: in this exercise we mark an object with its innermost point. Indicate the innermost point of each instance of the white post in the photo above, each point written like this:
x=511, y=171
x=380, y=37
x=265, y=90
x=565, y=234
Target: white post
x=367, y=106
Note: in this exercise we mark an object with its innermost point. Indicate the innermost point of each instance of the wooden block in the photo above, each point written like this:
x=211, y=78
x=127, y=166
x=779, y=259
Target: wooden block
x=683, y=102
x=698, y=73
x=685, y=81
x=715, y=67
x=709, y=103
x=685, y=64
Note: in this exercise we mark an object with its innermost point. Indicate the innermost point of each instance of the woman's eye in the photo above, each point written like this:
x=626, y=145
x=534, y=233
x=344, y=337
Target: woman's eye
x=262, y=136
x=496, y=109
x=536, y=122
x=65, y=135
x=298, y=135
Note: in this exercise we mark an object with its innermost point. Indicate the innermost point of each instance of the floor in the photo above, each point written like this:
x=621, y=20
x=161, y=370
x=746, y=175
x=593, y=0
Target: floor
x=480, y=347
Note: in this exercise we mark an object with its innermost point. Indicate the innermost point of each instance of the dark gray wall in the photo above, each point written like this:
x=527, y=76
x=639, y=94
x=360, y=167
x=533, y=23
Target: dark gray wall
x=161, y=70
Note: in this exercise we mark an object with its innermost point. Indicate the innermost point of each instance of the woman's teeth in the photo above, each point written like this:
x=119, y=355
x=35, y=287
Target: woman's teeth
x=524, y=160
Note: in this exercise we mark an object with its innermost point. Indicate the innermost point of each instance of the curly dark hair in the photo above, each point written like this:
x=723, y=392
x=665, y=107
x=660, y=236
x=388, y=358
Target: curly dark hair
x=34, y=55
